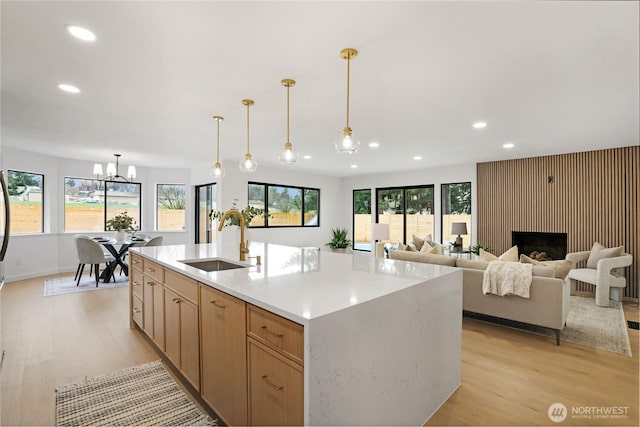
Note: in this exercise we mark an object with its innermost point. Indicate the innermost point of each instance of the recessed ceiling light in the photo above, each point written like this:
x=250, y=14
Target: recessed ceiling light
x=479, y=125
x=81, y=33
x=417, y=157
x=306, y=157
x=354, y=166
x=374, y=144
x=68, y=88
x=508, y=145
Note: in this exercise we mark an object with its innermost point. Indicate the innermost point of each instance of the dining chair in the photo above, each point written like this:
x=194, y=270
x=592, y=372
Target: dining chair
x=156, y=241
x=90, y=252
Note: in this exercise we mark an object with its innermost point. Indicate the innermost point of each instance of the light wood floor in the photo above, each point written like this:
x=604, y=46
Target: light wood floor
x=508, y=377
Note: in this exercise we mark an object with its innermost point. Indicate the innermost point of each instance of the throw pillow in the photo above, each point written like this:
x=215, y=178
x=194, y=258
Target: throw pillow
x=599, y=252
x=411, y=248
x=402, y=246
x=428, y=249
x=510, y=255
x=560, y=267
x=438, y=246
x=419, y=241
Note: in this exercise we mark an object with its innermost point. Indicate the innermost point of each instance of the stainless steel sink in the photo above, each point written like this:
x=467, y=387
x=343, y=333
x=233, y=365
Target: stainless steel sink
x=214, y=264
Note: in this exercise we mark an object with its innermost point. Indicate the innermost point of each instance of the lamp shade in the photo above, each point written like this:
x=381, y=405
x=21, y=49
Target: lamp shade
x=131, y=172
x=111, y=169
x=380, y=231
x=459, y=228
x=97, y=169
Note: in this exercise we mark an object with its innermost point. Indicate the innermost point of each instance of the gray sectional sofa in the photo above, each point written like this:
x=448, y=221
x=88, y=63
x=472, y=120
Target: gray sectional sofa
x=547, y=306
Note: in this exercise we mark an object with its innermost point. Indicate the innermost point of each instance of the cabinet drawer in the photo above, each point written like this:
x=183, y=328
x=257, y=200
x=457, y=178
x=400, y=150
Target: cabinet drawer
x=183, y=285
x=135, y=261
x=276, y=388
x=137, y=282
x=153, y=270
x=136, y=310
x=277, y=332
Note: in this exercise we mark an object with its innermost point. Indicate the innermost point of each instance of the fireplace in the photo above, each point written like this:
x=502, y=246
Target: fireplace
x=528, y=242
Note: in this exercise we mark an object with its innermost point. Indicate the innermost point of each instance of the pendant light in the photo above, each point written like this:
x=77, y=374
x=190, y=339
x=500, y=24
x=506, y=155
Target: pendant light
x=113, y=171
x=248, y=164
x=217, y=172
x=288, y=156
x=346, y=142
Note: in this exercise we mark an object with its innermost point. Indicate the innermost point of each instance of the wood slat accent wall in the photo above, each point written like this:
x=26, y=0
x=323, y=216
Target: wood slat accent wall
x=591, y=196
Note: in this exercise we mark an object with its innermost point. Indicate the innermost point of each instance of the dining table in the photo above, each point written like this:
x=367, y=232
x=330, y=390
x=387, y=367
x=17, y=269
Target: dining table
x=119, y=250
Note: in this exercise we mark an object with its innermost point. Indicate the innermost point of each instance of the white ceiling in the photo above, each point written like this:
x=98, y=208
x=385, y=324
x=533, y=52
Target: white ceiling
x=550, y=77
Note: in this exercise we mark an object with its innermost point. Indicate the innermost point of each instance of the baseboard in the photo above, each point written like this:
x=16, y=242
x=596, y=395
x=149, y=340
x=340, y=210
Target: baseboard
x=27, y=276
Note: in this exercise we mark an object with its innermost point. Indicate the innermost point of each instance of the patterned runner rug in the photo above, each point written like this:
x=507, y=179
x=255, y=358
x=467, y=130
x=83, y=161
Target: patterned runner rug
x=141, y=395
x=66, y=285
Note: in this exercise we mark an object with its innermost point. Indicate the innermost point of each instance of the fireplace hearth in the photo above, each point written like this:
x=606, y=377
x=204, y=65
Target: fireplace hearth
x=534, y=244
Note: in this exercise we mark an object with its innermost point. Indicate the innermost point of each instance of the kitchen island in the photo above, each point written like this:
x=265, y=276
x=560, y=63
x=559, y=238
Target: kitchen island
x=317, y=337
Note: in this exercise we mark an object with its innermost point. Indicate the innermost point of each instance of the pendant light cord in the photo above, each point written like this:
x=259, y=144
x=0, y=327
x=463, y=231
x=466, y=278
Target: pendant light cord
x=348, y=80
x=288, y=86
x=218, y=145
x=248, y=129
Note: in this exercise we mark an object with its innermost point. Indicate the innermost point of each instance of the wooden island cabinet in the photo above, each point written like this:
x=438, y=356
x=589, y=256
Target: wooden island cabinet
x=307, y=337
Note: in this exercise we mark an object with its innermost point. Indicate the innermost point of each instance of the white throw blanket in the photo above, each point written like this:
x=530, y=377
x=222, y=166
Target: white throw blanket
x=507, y=278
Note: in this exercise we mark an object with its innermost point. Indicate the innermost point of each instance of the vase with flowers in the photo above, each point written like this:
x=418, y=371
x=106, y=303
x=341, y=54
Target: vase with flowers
x=121, y=223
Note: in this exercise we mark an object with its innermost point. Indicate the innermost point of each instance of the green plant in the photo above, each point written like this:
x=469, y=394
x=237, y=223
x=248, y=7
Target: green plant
x=122, y=222
x=339, y=239
x=476, y=248
x=248, y=214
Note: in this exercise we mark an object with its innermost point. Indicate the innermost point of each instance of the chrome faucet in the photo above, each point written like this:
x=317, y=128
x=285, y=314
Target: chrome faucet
x=236, y=212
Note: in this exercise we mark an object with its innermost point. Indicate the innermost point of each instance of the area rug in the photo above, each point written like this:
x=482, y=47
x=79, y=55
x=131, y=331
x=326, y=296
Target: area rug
x=67, y=285
x=603, y=328
x=144, y=395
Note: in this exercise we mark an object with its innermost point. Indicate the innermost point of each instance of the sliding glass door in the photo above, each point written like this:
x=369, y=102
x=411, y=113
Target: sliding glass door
x=362, y=220
x=205, y=202
x=407, y=210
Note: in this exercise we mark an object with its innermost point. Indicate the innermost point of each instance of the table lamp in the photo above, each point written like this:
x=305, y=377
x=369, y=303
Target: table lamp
x=458, y=228
x=380, y=232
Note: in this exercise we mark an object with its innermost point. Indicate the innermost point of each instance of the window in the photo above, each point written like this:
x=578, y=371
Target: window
x=26, y=202
x=205, y=203
x=456, y=207
x=122, y=197
x=89, y=203
x=285, y=206
x=170, y=207
x=362, y=220
x=83, y=204
x=407, y=210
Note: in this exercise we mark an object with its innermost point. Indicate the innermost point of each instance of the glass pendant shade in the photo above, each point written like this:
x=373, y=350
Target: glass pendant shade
x=217, y=171
x=347, y=143
x=248, y=164
x=288, y=156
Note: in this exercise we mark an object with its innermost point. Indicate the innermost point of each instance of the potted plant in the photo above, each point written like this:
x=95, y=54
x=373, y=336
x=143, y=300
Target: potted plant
x=121, y=223
x=339, y=240
x=248, y=214
x=476, y=248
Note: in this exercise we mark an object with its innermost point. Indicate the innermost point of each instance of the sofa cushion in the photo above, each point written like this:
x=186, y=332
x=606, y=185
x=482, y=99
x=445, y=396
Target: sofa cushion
x=599, y=252
x=476, y=264
x=426, y=258
x=510, y=255
x=410, y=248
x=560, y=267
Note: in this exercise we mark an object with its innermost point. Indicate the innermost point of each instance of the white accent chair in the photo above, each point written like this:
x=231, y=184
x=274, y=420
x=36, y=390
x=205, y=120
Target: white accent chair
x=608, y=285
x=90, y=252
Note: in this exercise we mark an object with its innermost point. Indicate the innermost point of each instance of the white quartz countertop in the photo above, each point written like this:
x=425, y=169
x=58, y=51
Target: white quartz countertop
x=296, y=283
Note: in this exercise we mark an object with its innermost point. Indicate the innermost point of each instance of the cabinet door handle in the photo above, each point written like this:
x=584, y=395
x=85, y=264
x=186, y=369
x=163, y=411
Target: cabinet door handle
x=214, y=302
x=136, y=284
x=270, y=384
x=150, y=283
x=264, y=328
x=177, y=300
x=151, y=269
x=136, y=310
x=135, y=261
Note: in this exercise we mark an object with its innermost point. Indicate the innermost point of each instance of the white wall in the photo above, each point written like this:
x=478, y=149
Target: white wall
x=435, y=176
